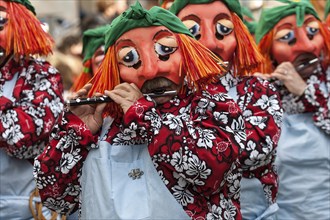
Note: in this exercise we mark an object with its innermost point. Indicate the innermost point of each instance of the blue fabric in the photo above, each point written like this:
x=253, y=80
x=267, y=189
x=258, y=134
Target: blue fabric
x=109, y=193
x=304, y=169
x=8, y=87
x=254, y=205
x=16, y=185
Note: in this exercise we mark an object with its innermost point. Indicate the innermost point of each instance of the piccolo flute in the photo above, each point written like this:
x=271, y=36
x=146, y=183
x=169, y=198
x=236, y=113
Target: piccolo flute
x=306, y=64
x=104, y=98
x=300, y=67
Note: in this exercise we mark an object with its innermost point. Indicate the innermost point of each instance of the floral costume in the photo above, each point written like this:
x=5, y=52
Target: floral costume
x=193, y=140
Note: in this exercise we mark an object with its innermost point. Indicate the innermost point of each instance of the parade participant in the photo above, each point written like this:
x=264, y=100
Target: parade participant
x=166, y=3
x=93, y=51
x=31, y=100
x=296, y=48
x=218, y=25
x=192, y=139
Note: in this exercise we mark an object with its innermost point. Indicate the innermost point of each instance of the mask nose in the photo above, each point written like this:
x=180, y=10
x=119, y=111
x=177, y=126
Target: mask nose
x=304, y=43
x=208, y=38
x=149, y=67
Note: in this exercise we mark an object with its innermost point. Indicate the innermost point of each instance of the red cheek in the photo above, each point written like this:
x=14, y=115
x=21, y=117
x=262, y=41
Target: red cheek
x=282, y=52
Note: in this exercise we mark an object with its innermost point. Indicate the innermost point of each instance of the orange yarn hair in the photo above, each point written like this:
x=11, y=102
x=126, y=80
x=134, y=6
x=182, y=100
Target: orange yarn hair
x=25, y=29
x=266, y=44
x=198, y=63
x=84, y=77
x=247, y=58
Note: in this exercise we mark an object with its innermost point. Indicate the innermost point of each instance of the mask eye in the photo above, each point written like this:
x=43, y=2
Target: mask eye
x=164, y=47
x=194, y=28
x=3, y=22
x=224, y=27
x=129, y=57
x=312, y=28
x=286, y=36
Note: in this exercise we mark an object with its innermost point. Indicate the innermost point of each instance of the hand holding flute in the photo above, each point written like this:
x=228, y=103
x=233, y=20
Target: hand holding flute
x=91, y=115
x=90, y=110
x=292, y=76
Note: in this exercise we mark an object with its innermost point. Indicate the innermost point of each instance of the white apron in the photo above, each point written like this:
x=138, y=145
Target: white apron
x=121, y=182
x=304, y=169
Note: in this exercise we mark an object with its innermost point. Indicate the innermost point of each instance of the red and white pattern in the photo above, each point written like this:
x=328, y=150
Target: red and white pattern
x=26, y=121
x=262, y=112
x=194, y=141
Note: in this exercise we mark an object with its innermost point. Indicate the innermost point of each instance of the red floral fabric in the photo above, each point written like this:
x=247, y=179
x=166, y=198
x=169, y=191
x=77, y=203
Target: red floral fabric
x=194, y=141
x=262, y=112
x=28, y=116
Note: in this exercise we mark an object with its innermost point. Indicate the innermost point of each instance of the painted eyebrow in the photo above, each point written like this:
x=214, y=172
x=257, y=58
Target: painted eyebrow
x=285, y=26
x=222, y=16
x=159, y=32
x=123, y=40
x=3, y=8
x=309, y=19
x=191, y=16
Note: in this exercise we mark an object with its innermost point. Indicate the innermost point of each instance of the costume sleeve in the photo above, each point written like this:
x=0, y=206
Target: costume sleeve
x=58, y=168
x=317, y=101
x=205, y=132
x=263, y=114
x=26, y=122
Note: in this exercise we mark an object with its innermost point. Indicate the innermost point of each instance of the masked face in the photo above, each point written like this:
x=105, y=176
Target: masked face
x=297, y=45
x=212, y=25
x=97, y=58
x=3, y=30
x=150, y=58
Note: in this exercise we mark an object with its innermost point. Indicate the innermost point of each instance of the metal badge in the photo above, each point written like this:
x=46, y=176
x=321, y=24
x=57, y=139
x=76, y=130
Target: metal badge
x=135, y=173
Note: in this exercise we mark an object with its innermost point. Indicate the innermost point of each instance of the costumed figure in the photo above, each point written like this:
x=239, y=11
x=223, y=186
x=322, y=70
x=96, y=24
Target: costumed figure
x=31, y=100
x=218, y=25
x=296, y=47
x=93, y=51
x=168, y=148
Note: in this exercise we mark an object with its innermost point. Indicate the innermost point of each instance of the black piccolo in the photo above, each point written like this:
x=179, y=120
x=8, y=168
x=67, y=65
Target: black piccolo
x=306, y=64
x=104, y=98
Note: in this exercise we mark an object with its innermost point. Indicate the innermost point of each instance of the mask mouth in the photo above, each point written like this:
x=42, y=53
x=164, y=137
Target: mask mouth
x=305, y=60
x=306, y=64
x=158, y=86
